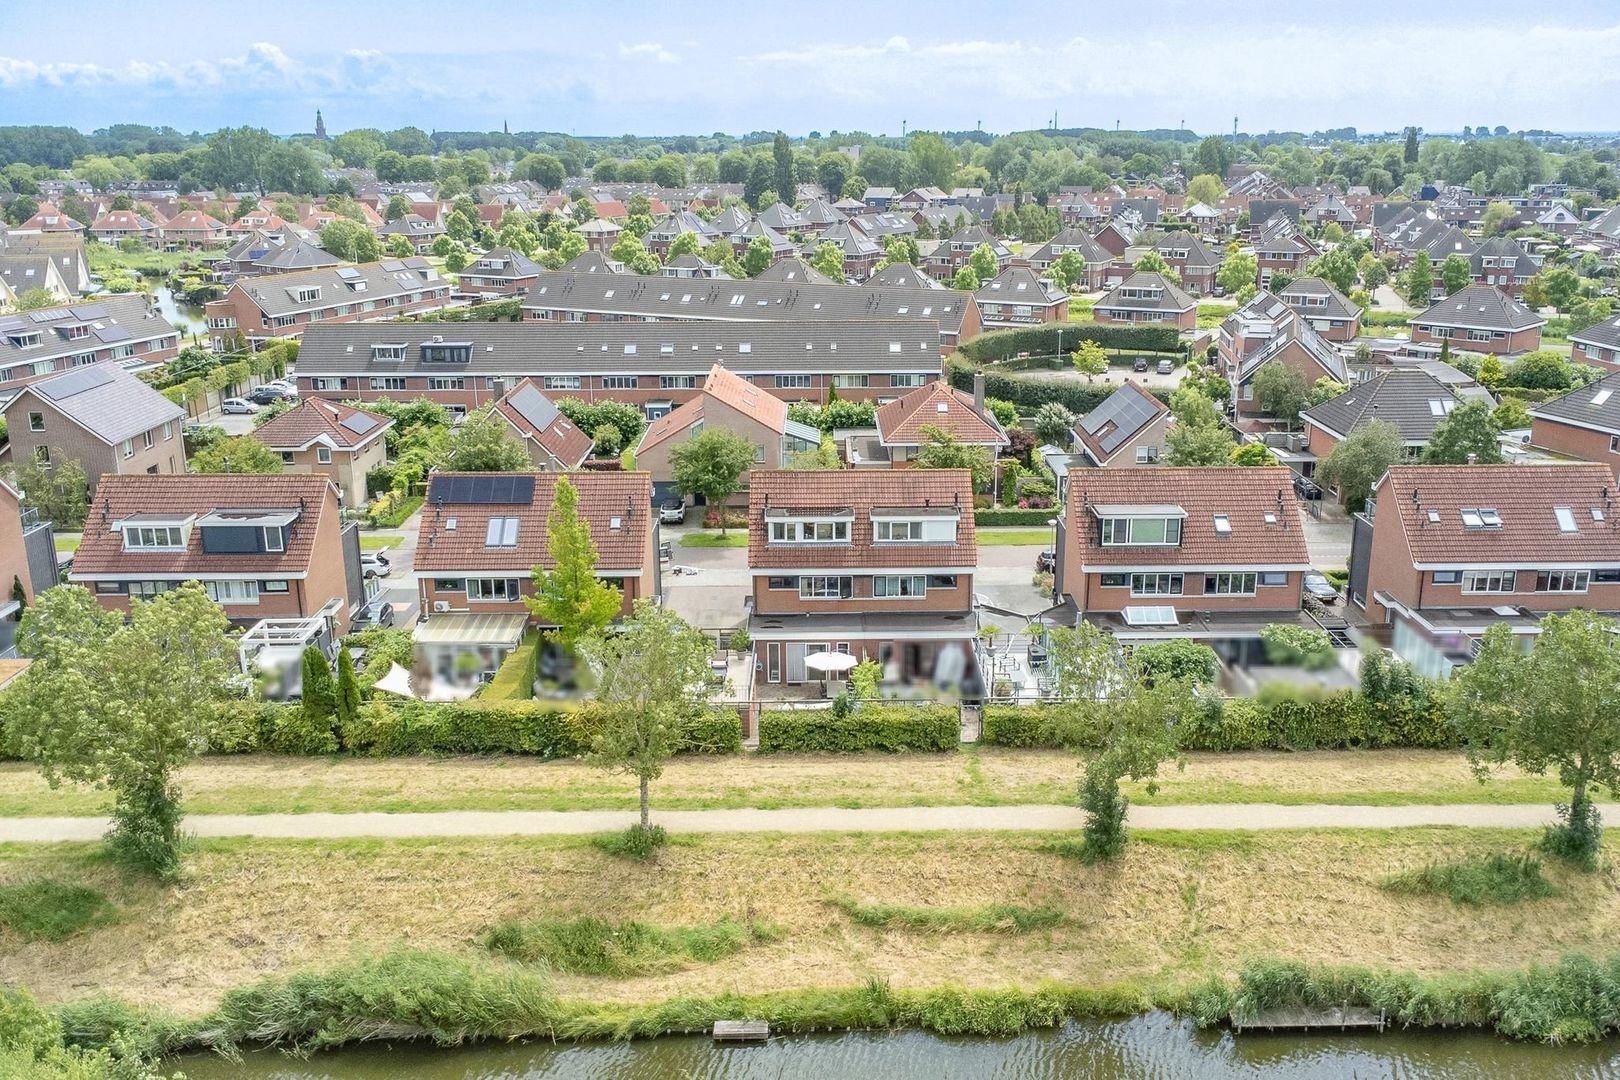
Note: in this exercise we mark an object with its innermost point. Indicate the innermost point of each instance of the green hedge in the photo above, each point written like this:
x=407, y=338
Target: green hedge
x=987, y=518
x=515, y=679
x=1043, y=340
x=1030, y=392
x=1300, y=721
x=866, y=727
x=388, y=728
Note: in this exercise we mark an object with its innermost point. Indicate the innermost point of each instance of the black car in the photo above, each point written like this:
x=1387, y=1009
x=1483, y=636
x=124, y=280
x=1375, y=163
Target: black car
x=267, y=395
x=1046, y=561
x=377, y=613
x=1305, y=489
x=1140, y=364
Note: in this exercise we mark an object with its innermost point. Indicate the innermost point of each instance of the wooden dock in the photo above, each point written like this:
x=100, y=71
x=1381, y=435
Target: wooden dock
x=741, y=1031
x=1342, y=1018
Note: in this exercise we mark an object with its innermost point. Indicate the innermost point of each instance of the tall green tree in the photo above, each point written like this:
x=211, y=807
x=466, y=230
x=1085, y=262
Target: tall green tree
x=1409, y=152
x=485, y=443
x=782, y=158
x=1358, y=460
x=1281, y=391
x=651, y=675
x=983, y=262
x=1555, y=707
x=348, y=690
x=1455, y=273
x=712, y=463
x=1419, y=280
x=569, y=597
x=318, y=693
x=237, y=454
x=930, y=161
x=757, y=257
x=122, y=705
x=828, y=258
x=1089, y=360
x=1467, y=435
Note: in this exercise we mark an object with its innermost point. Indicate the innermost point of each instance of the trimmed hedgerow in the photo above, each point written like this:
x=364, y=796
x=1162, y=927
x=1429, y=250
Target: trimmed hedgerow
x=866, y=727
x=1043, y=340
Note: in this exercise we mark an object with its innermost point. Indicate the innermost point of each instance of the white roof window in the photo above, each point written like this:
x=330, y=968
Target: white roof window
x=1566, y=519
x=1223, y=525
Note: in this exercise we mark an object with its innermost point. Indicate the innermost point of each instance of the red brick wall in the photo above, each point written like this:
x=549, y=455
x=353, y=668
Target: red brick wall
x=769, y=601
x=1575, y=441
x=1516, y=342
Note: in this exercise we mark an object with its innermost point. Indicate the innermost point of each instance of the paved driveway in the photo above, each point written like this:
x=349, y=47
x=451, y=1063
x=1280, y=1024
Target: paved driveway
x=711, y=585
x=1328, y=540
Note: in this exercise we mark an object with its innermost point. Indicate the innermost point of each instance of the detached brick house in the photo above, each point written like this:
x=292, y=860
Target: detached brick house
x=1444, y=552
x=553, y=442
x=1018, y=297
x=903, y=425
x=1598, y=344
x=481, y=537
x=1330, y=313
x=100, y=416
x=1127, y=429
x=1264, y=331
x=953, y=254
x=190, y=230
x=1095, y=257
x=1146, y=297
x=1208, y=553
x=499, y=272
x=1415, y=402
x=263, y=546
x=878, y=565
x=731, y=403
x=1479, y=318
x=330, y=439
x=1584, y=423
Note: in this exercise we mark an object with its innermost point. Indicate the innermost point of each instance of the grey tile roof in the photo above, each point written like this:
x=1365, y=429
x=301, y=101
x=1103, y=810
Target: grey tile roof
x=794, y=269
x=105, y=400
x=1414, y=401
x=1165, y=297
x=1332, y=305
x=1605, y=334
x=1479, y=307
x=901, y=275
x=113, y=319
x=1076, y=240
x=277, y=294
x=1019, y=285
x=627, y=348
x=1595, y=405
x=743, y=301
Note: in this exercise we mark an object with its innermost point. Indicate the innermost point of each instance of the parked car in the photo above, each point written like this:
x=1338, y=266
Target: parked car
x=268, y=395
x=1046, y=561
x=374, y=564
x=1321, y=588
x=1166, y=366
x=238, y=405
x=1141, y=364
x=672, y=511
x=376, y=613
x=1306, y=489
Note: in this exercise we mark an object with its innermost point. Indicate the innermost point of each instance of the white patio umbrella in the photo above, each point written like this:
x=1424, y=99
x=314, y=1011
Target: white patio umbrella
x=397, y=681
x=833, y=663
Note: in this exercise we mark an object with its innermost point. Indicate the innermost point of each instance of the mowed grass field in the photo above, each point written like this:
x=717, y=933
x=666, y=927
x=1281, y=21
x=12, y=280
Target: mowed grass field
x=265, y=783
x=1175, y=908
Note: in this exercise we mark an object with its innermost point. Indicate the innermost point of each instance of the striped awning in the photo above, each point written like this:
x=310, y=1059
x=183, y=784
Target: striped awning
x=472, y=629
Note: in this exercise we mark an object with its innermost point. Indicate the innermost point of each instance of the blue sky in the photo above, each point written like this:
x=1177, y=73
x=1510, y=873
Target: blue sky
x=647, y=67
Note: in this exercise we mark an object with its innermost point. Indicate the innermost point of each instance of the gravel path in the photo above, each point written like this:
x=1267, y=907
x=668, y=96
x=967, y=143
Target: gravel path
x=1244, y=816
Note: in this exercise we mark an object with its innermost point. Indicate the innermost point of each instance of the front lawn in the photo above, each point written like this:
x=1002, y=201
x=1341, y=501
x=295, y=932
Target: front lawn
x=715, y=540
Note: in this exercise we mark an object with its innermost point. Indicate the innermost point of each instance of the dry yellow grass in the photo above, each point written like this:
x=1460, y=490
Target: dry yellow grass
x=266, y=783
x=249, y=909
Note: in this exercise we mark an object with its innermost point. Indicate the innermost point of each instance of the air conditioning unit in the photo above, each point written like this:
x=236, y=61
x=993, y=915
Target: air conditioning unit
x=441, y=606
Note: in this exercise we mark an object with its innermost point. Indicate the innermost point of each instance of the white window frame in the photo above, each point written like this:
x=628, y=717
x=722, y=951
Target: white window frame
x=1488, y=582
x=899, y=586
x=826, y=587
x=1172, y=584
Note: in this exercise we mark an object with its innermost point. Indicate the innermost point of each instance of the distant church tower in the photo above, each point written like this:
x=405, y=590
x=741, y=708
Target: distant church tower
x=320, y=127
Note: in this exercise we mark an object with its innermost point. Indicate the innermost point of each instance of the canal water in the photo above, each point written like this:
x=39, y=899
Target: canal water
x=1155, y=1046
x=186, y=318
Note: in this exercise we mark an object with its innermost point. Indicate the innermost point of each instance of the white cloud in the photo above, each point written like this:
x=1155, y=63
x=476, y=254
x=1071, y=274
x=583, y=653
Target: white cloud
x=647, y=50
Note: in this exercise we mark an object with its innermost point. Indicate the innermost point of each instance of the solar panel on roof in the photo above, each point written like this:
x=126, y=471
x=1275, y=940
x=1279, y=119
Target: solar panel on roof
x=76, y=381
x=347, y=273
x=88, y=312
x=1128, y=411
x=534, y=407
x=109, y=334
x=359, y=423
x=390, y=267
x=495, y=489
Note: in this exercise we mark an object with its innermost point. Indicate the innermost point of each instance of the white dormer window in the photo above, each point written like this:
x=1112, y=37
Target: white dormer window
x=154, y=538
x=810, y=531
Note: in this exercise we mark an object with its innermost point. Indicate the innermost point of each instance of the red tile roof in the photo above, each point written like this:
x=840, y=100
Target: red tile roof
x=725, y=388
x=119, y=497
x=837, y=490
x=1524, y=496
x=559, y=438
x=603, y=496
x=192, y=221
x=315, y=418
x=901, y=422
x=1244, y=495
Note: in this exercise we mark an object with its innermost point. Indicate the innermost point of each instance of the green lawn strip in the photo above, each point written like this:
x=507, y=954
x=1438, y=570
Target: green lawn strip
x=377, y=541
x=1009, y=537
x=67, y=543
x=44, y=909
x=715, y=540
x=986, y=919
x=1496, y=878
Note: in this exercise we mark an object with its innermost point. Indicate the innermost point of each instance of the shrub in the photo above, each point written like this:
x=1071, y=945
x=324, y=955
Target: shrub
x=46, y=910
x=1297, y=646
x=593, y=946
x=390, y=511
x=636, y=842
x=868, y=726
x=1177, y=658
x=1043, y=340
x=514, y=680
x=1018, y=726
x=1476, y=880
x=988, y=518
